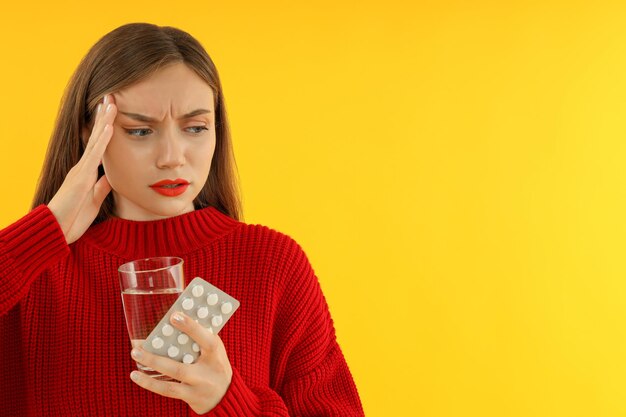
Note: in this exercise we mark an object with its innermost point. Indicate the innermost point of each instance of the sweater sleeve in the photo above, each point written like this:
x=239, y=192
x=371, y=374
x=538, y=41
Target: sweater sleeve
x=27, y=248
x=310, y=375
x=313, y=376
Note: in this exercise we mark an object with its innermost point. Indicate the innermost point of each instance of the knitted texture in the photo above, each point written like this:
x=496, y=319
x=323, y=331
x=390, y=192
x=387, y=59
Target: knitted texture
x=65, y=348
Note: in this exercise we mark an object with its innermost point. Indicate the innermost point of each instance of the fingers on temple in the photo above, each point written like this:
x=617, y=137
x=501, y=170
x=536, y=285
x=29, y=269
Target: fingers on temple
x=102, y=118
x=100, y=137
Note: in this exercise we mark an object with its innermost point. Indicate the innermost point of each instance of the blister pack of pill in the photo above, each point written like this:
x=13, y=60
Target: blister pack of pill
x=204, y=303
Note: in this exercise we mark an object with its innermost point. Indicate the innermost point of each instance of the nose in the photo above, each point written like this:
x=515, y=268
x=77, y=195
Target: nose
x=171, y=153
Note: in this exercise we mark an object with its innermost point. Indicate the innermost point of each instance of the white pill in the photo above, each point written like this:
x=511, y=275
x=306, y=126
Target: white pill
x=227, y=308
x=167, y=330
x=195, y=347
x=188, y=303
x=216, y=320
x=203, y=312
x=211, y=299
x=188, y=358
x=197, y=290
x=183, y=339
x=157, y=343
x=173, y=351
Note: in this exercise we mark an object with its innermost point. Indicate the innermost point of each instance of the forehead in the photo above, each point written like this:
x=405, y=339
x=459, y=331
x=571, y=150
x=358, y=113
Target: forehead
x=175, y=88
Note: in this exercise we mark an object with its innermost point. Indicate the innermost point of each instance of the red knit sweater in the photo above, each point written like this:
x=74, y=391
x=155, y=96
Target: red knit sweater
x=64, y=346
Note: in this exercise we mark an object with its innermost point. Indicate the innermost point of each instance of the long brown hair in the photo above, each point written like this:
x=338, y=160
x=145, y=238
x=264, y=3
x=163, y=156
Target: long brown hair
x=119, y=59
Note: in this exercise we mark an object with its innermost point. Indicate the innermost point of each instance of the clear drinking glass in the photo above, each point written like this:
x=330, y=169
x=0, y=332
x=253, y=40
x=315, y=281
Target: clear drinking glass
x=149, y=288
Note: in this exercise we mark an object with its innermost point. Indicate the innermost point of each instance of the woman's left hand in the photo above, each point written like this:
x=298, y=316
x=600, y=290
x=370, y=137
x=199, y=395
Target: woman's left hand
x=202, y=384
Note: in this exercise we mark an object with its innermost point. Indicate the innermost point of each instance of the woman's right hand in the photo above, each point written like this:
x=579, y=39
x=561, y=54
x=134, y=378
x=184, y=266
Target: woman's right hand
x=78, y=201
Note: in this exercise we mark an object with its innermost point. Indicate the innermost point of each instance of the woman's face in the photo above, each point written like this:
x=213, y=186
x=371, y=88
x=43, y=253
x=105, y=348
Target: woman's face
x=163, y=141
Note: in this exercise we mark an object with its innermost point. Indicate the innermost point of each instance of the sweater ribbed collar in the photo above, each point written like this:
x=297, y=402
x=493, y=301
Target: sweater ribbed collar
x=172, y=236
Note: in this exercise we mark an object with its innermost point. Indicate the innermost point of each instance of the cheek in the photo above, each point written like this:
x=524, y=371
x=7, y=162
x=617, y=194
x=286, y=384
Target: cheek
x=118, y=160
x=211, y=148
x=202, y=154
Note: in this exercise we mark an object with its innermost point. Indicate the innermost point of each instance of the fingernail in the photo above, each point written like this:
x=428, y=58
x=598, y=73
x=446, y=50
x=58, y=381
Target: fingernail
x=99, y=108
x=106, y=98
x=108, y=107
x=178, y=318
x=135, y=353
x=134, y=376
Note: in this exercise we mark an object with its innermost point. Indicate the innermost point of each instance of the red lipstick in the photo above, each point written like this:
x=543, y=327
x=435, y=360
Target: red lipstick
x=170, y=188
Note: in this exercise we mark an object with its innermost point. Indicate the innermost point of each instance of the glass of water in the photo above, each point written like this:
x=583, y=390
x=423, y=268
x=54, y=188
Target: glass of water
x=149, y=288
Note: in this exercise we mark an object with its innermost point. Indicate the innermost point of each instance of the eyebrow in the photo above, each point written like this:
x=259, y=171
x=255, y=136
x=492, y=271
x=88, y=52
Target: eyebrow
x=143, y=118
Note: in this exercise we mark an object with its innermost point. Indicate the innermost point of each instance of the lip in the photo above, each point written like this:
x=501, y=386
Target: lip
x=180, y=187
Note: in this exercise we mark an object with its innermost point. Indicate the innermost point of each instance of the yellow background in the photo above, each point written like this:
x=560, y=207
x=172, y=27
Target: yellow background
x=454, y=170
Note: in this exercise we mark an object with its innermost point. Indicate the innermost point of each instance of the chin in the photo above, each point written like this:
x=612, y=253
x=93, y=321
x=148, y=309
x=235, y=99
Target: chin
x=149, y=206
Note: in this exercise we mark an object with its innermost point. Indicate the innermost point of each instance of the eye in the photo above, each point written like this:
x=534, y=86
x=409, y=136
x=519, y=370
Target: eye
x=137, y=132
x=200, y=129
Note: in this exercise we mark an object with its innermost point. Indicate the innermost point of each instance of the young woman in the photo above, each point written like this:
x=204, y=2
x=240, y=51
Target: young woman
x=140, y=164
